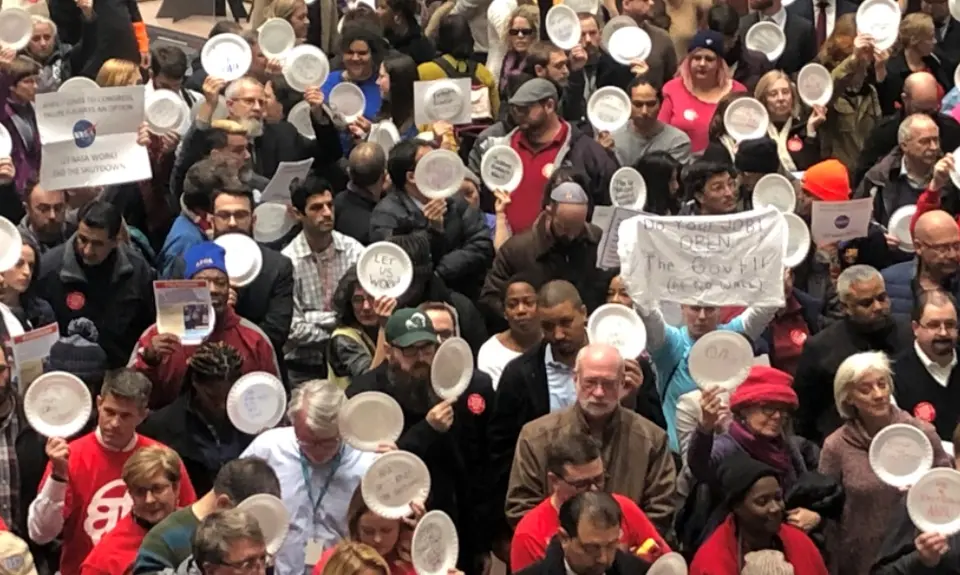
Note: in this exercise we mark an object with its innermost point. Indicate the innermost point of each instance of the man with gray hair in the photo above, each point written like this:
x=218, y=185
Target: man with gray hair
x=318, y=472
x=231, y=538
x=367, y=170
x=867, y=325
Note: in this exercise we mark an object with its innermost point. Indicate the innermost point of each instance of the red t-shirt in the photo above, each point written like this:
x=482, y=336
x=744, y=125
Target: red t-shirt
x=541, y=523
x=96, y=498
x=526, y=202
x=396, y=567
x=115, y=553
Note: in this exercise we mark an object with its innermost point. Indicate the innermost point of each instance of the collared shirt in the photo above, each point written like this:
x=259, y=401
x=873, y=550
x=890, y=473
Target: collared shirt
x=328, y=524
x=538, y=165
x=831, y=10
x=915, y=184
x=315, y=279
x=779, y=18
x=560, y=383
x=940, y=373
x=9, y=469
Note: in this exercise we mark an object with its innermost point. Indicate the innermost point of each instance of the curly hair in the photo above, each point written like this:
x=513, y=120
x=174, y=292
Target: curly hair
x=342, y=304
x=214, y=362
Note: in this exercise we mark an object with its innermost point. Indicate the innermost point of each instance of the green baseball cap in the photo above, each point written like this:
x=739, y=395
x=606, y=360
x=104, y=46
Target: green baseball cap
x=409, y=326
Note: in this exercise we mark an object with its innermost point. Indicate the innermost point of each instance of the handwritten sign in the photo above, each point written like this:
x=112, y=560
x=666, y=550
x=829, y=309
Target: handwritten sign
x=397, y=481
x=447, y=99
x=705, y=260
x=840, y=221
x=89, y=138
x=935, y=503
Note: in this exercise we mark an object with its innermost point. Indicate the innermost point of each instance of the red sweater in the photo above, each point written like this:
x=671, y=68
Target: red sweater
x=541, y=523
x=115, y=553
x=719, y=554
x=96, y=498
x=245, y=336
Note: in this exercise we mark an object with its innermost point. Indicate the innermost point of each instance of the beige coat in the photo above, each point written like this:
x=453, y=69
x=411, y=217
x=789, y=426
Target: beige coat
x=851, y=117
x=636, y=459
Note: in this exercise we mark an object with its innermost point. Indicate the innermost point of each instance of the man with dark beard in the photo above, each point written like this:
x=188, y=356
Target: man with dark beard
x=867, y=325
x=449, y=435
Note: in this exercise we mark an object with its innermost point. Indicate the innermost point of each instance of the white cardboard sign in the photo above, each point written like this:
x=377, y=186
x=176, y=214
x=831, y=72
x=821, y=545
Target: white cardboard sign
x=734, y=259
x=435, y=100
x=840, y=221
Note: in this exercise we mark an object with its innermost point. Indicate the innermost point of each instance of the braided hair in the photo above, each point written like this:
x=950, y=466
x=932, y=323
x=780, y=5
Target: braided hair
x=214, y=362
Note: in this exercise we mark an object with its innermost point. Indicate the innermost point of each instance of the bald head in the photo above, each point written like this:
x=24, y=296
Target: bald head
x=599, y=374
x=935, y=226
x=599, y=354
x=920, y=93
x=937, y=239
x=367, y=164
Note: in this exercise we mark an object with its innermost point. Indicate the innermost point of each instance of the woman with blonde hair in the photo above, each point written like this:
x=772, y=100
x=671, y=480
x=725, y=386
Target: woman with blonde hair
x=916, y=43
x=294, y=12
x=861, y=391
x=500, y=15
x=855, y=66
x=321, y=18
x=521, y=31
x=116, y=72
x=791, y=126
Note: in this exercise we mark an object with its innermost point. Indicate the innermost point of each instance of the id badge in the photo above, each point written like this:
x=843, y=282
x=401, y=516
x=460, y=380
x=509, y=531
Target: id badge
x=313, y=552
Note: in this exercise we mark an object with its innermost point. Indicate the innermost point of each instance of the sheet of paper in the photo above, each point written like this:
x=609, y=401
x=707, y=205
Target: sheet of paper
x=89, y=137
x=840, y=221
x=184, y=309
x=30, y=350
x=278, y=190
x=607, y=257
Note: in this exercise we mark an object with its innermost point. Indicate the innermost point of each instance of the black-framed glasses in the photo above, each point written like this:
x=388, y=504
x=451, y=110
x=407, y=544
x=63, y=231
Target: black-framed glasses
x=421, y=350
x=770, y=409
x=249, y=565
x=586, y=483
x=522, y=32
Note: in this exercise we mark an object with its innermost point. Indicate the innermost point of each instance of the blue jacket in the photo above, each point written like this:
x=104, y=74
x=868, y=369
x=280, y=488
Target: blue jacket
x=183, y=235
x=899, y=282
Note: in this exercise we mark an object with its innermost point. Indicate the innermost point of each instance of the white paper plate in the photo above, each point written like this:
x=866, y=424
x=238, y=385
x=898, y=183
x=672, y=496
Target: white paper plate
x=612, y=26
x=609, y=108
x=276, y=37
x=501, y=168
x=630, y=43
x=299, y=116
x=954, y=6
x=57, y=404
x=14, y=327
x=384, y=269
x=244, y=258
x=721, y=358
x=435, y=546
x=6, y=143
x=11, y=245
x=628, y=189
x=369, y=419
x=273, y=222
x=273, y=517
x=899, y=227
x=347, y=99
x=900, y=454
x=619, y=326
x=452, y=368
x=672, y=563
x=78, y=84
x=815, y=85
x=766, y=38
x=394, y=481
x=777, y=191
x=798, y=241
x=226, y=56
x=955, y=174
x=443, y=101
x=880, y=19
x=306, y=66
x=386, y=134
x=932, y=502
x=16, y=28
x=746, y=119
x=164, y=111
x=256, y=402
x=197, y=337
x=563, y=26
x=439, y=174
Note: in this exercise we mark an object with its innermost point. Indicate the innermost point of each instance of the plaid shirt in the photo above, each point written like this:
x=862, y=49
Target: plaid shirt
x=315, y=277
x=9, y=469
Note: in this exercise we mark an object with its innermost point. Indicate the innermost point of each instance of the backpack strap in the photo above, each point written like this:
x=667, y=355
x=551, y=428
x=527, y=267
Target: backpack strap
x=452, y=72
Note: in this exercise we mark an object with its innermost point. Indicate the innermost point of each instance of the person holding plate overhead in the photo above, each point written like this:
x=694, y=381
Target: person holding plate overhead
x=165, y=360
x=791, y=127
x=917, y=42
x=449, y=435
x=862, y=390
x=81, y=496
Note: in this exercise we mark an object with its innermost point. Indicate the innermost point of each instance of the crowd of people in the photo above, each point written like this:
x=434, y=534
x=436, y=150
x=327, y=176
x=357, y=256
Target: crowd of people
x=561, y=456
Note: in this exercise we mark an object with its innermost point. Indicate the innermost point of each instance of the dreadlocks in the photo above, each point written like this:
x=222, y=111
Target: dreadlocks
x=215, y=362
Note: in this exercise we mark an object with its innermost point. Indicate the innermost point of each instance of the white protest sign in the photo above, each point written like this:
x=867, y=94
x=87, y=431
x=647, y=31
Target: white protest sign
x=30, y=350
x=607, y=257
x=840, y=221
x=735, y=259
x=90, y=138
x=278, y=190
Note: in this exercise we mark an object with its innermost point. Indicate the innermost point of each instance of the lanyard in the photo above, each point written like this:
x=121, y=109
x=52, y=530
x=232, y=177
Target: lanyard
x=326, y=482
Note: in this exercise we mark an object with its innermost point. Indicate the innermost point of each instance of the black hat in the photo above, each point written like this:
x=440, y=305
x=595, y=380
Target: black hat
x=737, y=474
x=759, y=156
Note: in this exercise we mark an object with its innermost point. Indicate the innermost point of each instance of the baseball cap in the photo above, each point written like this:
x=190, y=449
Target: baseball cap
x=15, y=557
x=569, y=193
x=533, y=91
x=409, y=326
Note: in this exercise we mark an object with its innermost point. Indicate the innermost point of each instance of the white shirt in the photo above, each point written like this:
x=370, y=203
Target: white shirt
x=560, y=384
x=831, y=9
x=779, y=18
x=938, y=372
x=493, y=357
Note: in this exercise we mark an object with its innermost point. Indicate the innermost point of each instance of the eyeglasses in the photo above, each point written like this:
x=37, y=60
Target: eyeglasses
x=769, y=410
x=239, y=215
x=522, y=32
x=421, y=350
x=948, y=325
x=942, y=248
x=157, y=489
x=587, y=482
x=250, y=565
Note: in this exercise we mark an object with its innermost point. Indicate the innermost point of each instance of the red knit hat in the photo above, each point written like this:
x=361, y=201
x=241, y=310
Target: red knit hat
x=828, y=181
x=765, y=385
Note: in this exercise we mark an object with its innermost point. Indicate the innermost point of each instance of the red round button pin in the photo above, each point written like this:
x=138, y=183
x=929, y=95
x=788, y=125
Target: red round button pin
x=797, y=336
x=925, y=411
x=476, y=404
x=794, y=144
x=76, y=300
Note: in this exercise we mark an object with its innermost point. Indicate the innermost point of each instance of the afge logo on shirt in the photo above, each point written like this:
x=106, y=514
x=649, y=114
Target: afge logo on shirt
x=84, y=133
x=109, y=504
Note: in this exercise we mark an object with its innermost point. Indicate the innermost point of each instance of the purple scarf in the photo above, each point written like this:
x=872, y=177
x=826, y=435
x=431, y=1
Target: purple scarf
x=773, y=452
x=513, y=64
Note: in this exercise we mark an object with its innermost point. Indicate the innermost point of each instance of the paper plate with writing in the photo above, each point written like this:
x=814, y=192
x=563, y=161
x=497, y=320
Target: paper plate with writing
x=563, y=26
x=619, y=326
x=57, y=404
x=766, y=38
x=900, y=454
x=384, y=269
x=815, y=85
x=501, y=168
x=881, y=20
x=256, y=402
x=394, y=481
x=435, y=545
x=276, y=37
x=721, y=358
x=226, y=56
x=305, y=66
x=746, y=119
x=933, y=502
x=439, y=174
x=443, y=101
x=347, y=99
x=370, y=419
x=609, y=109
x=628, y=189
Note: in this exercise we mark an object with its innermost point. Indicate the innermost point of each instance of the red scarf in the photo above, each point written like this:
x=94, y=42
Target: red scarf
x=720, y=554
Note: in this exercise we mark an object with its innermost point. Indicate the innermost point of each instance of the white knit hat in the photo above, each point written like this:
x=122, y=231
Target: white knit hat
x=766, y=563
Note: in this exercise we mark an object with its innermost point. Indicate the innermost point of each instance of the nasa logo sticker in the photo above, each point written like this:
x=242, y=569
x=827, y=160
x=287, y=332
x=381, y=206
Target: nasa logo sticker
x=84, y=134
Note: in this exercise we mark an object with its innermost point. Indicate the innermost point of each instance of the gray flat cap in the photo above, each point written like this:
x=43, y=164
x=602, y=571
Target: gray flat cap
x=533, y=91
x=569, y=193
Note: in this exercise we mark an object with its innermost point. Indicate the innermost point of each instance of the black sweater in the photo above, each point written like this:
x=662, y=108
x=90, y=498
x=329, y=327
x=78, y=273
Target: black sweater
x=914, y=386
